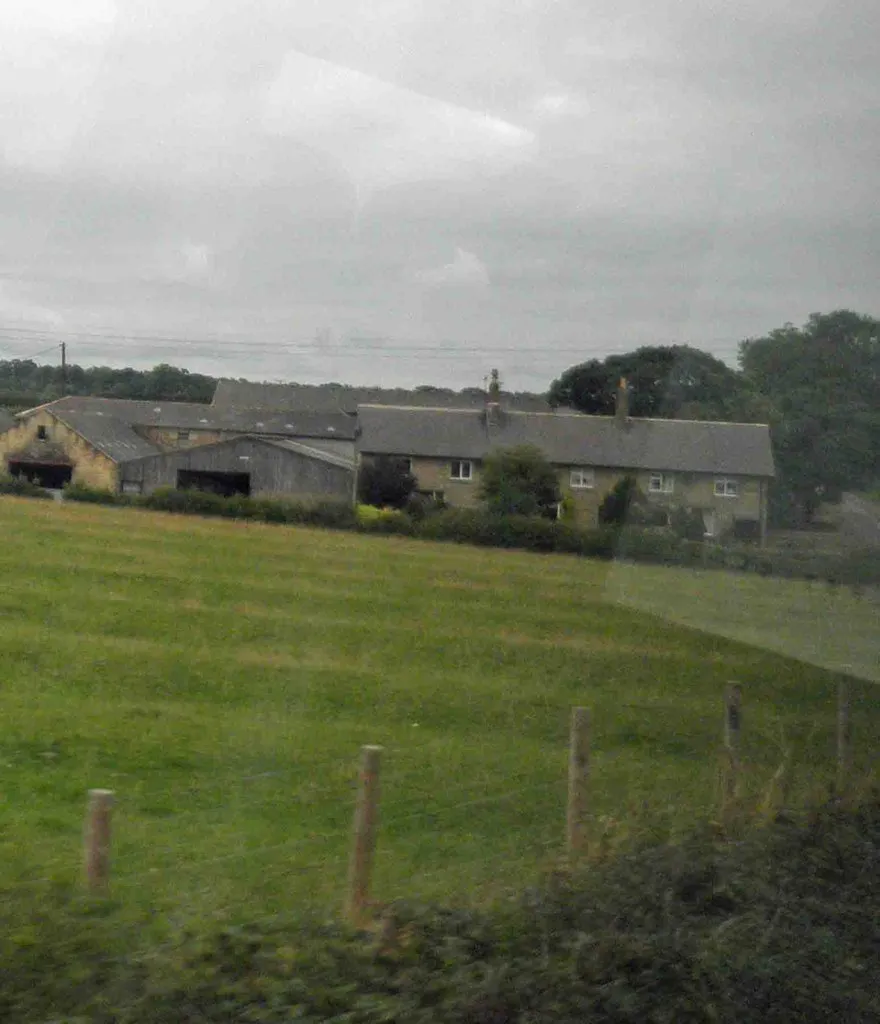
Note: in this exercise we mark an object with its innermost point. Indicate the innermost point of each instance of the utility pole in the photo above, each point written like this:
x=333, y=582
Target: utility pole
x=63, y=368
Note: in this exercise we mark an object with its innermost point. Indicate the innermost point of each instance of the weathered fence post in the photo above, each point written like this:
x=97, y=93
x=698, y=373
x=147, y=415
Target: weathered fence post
x=364, y=839
x=732, y=731
x=97, y=840
x=844, y=737
x=578, y=779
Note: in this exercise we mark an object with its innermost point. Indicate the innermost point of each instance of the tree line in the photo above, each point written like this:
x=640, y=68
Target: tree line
x=25, y=383
x=818, y=386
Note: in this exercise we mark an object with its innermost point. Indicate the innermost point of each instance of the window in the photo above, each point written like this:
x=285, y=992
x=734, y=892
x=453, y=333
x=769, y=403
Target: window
x=182, y=435
x=42, y=433
x=407, y=464
x=660, y=483
x=582, y=479
x=725, y=488
x=461, y=469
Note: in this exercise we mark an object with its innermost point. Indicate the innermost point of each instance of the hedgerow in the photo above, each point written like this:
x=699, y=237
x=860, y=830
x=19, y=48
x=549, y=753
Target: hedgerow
x=530, y=533
x=776, y=928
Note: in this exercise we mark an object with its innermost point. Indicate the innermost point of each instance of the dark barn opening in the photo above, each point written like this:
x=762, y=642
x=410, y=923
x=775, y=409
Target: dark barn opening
x=225, y=484
x=51, y=475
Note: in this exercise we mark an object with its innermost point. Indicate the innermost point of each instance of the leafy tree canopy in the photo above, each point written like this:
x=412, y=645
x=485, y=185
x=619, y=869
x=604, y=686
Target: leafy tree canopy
x=385, y=482
x=822, y=381
x=665, y=381
x=520, y=481
x=24, y=383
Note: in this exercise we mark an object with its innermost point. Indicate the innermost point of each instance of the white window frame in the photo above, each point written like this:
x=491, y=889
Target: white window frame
x=665, y=483
x=726, y=488
x=461, y=475
x=582, y=478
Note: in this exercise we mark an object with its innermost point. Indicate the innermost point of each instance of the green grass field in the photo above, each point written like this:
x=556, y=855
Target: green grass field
x=221, y=677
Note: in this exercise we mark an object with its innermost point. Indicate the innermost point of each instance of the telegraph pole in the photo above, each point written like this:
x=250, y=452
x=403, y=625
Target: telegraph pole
x=63, y=368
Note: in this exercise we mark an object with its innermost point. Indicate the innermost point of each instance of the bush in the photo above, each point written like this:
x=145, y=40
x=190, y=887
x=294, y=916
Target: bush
x=616, y=505
x=687, y=523
x=777, y=928
x=21, y=488
x=384, y=480
x=519, y=482
x=383, y=520
x=94, y=495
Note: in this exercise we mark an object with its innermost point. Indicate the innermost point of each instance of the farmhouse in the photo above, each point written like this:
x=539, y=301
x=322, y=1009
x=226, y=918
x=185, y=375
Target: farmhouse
x=720, y=469
x=305, y=443
x=136, y=447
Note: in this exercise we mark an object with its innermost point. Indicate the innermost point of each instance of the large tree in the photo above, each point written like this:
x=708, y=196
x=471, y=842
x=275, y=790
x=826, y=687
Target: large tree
x=667, y=381
x=823, y=382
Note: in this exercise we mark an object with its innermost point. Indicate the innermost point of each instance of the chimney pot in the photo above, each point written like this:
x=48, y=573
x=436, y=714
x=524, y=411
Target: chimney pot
x=621, y=403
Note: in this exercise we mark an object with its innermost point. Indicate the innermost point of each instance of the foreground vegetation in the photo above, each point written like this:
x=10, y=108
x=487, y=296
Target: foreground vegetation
x=777, y=928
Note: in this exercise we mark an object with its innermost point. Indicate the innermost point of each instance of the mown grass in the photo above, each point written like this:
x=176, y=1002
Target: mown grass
x=221, y=676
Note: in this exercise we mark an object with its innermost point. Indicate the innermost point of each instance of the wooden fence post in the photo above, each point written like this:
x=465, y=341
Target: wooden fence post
x=364, y=839
x=97, y=840
x=732, y=731
x=578, y=779
x=844, y=737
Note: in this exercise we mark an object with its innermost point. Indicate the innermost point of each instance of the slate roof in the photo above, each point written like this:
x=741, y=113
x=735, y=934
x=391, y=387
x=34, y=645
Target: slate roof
x=232, y=394
x=110, y=422
x=571, y=439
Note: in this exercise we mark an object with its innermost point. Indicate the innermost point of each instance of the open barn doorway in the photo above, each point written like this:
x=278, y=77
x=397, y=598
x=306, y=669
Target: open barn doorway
x=51, y=475
x=226, y=484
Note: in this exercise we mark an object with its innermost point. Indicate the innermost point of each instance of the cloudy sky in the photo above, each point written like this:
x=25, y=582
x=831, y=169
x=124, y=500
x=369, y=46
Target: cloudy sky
x=404, y=192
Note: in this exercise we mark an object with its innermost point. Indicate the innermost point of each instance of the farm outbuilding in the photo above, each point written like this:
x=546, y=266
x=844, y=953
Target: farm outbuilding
x=247, y=465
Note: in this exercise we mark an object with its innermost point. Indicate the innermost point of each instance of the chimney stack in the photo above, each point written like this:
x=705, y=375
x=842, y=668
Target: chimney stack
x=493, y=400
x=621, y=402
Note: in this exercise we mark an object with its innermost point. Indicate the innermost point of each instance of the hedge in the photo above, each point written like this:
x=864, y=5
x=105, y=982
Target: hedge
x=18, y=487
x=779, y=927
x=484, y=529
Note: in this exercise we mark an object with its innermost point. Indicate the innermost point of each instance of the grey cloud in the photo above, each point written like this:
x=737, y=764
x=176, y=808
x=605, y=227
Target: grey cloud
x=621, y=173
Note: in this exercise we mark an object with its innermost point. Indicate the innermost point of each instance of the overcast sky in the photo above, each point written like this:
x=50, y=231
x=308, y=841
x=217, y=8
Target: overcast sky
x=404, y=192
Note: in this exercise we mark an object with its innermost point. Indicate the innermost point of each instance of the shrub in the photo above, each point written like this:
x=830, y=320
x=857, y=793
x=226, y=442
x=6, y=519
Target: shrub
x=383, y=520
x=419, y=506
x=616, y=505
x=776, y=928
x=385, y=481
x=686, y=523
x=21, y=488
x=519, y=482
x=94, y=495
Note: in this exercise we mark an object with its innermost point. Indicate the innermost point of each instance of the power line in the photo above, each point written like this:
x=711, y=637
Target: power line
x=310, y=344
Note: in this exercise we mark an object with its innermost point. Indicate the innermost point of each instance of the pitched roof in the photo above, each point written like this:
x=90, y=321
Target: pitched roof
x=194, y=416
x=232, y=394
x=289, y=445
x=113, y=437
x=571, y=439
x=284, y=443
